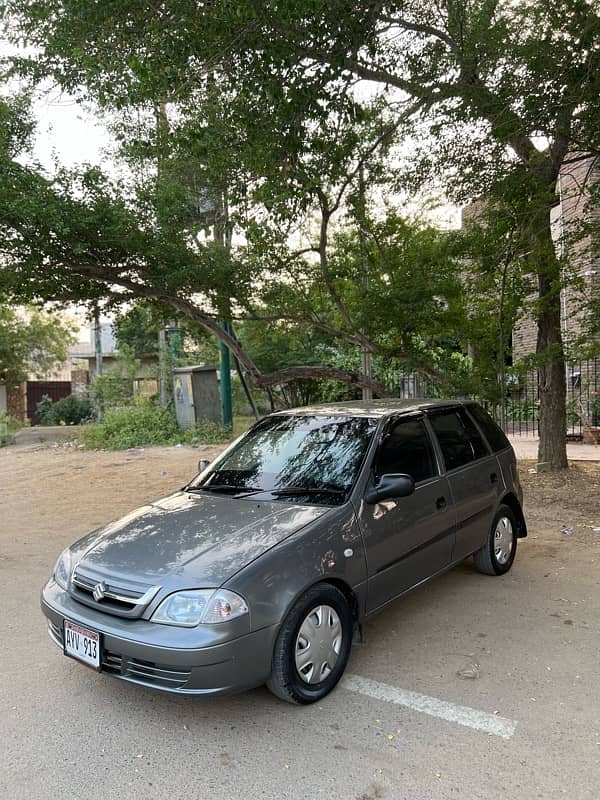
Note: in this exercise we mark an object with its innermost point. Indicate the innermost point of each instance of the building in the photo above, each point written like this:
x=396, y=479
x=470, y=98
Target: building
x=578, y=174
x=575, y=225
x=75, y=376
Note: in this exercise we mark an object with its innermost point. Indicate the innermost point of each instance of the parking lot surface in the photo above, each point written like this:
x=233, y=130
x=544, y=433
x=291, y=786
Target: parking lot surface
x=470, y=687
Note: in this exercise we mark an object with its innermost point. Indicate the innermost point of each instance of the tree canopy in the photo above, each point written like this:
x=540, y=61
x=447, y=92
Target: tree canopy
x=287, y=120
x=31, y=342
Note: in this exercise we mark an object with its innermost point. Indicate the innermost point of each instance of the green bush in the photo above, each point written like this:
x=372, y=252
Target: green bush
x=69, y=410
x=114, y=388
x=522, y=410
x=8, y=426
x=145, y=424
x=207, y=432
x=44, y=409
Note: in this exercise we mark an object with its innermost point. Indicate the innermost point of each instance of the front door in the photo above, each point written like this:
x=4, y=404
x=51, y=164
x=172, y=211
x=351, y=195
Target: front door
x=406, y=539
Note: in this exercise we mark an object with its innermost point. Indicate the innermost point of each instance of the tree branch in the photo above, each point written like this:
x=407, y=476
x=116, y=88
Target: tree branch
x=259, y=379
x=419, y=27
x=470, y=90
x=330, y=373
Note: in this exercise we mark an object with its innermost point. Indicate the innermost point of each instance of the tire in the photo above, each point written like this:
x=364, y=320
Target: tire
x=498, y=553
x=320, y=619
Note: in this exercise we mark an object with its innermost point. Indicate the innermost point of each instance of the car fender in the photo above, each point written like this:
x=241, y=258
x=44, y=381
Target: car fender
x=330, y=549
x=510, y=499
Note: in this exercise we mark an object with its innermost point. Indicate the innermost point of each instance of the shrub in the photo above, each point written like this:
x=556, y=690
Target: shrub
x=8, y=426
x=69, y=410
x=522, y=410
x=114, y=388
x=44, y=409
x=206, y=432
x=143, y=423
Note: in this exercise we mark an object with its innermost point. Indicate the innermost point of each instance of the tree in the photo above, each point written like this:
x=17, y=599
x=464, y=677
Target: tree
x=497, y=284
x=78, y=237
x=31, y=342
x=137, y=327
x=499, y=94
x=77, y=226
x=506, y=90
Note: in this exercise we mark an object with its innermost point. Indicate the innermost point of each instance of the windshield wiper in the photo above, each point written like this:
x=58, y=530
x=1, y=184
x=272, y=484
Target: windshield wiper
x=223, y=487
x=307, y=490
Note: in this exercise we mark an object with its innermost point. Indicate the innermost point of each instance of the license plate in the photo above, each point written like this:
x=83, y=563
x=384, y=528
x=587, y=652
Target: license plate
x=82, y=644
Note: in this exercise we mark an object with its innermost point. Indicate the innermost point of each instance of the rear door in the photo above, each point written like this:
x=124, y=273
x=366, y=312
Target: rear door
x=473, y=473
x=411, y=538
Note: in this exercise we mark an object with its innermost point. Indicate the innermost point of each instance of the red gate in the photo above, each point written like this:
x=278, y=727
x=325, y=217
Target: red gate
x=37, y=389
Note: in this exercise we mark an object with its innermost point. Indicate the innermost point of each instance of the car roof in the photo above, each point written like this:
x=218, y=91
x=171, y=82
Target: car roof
x=371, y=408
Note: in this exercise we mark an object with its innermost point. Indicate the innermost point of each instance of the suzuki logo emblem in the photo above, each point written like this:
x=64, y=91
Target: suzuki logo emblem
x=99, y=591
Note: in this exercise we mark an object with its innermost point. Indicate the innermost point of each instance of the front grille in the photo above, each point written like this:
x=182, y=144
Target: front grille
x=122, y=598
x=55, y=633
x=147, y=672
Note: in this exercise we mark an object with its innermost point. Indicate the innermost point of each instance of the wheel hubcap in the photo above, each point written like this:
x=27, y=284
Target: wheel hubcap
x=503, y=540
x=318, y=644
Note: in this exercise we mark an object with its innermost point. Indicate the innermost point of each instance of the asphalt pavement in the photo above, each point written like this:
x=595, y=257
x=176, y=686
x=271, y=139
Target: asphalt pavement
x=471, y=687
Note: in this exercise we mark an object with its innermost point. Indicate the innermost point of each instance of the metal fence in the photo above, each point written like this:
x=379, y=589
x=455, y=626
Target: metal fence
x=518, y=412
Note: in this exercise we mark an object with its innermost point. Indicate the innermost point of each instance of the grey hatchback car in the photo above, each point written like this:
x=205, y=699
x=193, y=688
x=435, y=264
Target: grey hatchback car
x=264, y=567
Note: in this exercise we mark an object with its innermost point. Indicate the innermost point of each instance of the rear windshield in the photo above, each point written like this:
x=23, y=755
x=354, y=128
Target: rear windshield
x=492, y=432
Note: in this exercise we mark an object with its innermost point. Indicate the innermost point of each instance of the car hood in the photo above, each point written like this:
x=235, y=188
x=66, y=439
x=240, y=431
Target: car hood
x=191, y=539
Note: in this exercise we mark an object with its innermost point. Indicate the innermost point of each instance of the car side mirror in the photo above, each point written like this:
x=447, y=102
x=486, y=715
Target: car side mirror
x=203, y=464
x=390, y=486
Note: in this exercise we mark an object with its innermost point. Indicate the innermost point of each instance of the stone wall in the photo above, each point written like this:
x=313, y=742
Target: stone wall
x=16, y=401
x=80, y=383
x=576, y=177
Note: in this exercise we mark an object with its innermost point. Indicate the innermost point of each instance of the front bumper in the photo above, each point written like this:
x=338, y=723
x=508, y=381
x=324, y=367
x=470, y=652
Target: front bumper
x=221, y=668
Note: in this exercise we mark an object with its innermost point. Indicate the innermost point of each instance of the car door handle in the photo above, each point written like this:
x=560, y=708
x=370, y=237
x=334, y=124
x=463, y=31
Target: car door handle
x=493, y=478
x=440, y=502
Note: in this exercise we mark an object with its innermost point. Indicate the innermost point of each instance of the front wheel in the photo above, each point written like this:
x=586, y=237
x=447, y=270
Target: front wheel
x=313, y=646
x=498, y=553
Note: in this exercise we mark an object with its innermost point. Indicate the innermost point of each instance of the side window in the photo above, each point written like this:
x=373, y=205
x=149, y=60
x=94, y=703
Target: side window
x=459, y=439
x=406, y=448
x=492, y=432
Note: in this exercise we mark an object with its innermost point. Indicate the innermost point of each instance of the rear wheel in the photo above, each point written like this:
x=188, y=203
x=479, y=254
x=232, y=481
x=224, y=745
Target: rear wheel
x=313, y=646
x=498, y=553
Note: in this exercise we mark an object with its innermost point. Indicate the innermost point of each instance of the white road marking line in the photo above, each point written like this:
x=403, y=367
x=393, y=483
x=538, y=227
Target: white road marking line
x=462, y=715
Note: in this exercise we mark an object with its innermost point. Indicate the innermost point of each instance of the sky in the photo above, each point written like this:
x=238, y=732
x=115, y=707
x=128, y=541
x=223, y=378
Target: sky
x=67, y=132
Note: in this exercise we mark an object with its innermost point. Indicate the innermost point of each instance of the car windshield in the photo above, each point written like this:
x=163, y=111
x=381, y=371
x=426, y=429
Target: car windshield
x=294, y=456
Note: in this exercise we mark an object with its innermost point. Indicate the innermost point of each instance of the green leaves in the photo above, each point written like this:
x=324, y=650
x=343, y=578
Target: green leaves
x=270, y=128
x=31, y=342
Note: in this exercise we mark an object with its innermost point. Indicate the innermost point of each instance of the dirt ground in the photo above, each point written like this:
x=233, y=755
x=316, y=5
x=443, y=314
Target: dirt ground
x=71, y=491
x=533, y=634
x=563, y=506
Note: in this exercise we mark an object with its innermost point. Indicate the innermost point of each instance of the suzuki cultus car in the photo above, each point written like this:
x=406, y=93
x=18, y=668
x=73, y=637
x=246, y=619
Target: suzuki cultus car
x=264, y=567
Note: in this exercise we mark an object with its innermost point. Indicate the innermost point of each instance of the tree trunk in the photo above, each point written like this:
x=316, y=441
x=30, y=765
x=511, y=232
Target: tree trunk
x=552, y=451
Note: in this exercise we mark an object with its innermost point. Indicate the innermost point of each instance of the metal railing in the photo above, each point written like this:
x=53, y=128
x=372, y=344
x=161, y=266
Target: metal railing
x=518, y=412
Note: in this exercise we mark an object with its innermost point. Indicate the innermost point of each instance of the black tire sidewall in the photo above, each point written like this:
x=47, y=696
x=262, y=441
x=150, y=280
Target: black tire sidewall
x=301, y=691
x=503, y=511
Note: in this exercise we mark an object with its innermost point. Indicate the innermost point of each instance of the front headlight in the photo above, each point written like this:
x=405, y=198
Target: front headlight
x=195, y=606
x=62, y=569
